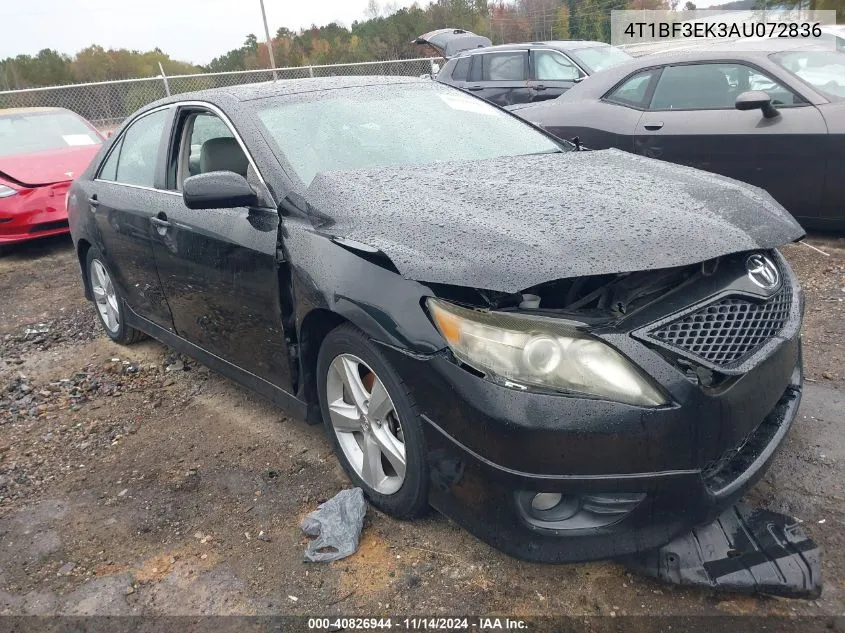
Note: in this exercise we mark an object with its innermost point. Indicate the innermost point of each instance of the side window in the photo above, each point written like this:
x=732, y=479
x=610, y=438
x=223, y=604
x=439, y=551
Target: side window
x=504, y=66
x=632, y=91
x=209, y=145
x=109, y=169
x=696, y=87
x=139, y=149
x=714, y=87
x=554, y=66
x=461, y=70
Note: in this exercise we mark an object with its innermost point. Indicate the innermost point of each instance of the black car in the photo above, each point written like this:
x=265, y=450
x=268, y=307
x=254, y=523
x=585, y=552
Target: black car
x=575, y=355
x=525, y=73
x=767, y=112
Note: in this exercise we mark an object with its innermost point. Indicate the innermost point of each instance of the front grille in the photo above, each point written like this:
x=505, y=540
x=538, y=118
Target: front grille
x=729, y=330
x=49, y=226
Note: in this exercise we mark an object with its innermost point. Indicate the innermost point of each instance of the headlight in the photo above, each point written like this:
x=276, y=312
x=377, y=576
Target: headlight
x=5, y=191
x=523, y=351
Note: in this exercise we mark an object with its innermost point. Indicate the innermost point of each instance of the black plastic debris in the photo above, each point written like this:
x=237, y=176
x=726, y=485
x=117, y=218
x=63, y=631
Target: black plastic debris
x=745, y=550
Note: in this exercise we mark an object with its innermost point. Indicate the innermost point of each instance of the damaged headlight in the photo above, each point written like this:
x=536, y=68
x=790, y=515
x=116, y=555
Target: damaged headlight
x=523, y=351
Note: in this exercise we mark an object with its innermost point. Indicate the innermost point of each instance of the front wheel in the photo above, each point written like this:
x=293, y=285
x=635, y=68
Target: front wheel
x=108, y=301
x=373, y=423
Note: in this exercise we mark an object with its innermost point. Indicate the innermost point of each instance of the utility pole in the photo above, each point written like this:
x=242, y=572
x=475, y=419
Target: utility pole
x=269, y=41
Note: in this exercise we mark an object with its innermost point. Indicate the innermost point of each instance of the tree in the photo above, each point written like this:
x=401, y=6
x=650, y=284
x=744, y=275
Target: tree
x=373, y=10
x=689, y=6
x=806, y=5
x=561, y=28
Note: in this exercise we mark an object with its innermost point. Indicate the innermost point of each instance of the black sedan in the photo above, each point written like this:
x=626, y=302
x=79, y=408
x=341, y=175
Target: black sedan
x=574, y=354
x=767, y=112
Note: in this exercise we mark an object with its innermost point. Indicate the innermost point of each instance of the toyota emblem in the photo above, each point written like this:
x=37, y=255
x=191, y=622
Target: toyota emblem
x=762, y=272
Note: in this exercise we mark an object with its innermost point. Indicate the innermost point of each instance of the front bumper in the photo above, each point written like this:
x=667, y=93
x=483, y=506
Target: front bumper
x=33, y=213
x=488, y=446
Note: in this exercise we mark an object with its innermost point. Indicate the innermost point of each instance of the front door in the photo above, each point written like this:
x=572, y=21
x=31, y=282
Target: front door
x=218, y=266
x=692, y=120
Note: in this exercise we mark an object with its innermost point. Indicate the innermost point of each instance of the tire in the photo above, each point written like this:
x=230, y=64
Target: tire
x=403, y=499
x=112, y=316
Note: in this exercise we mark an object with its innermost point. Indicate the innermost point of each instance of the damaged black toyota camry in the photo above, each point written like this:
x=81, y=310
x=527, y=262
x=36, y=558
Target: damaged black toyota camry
x=574, y=354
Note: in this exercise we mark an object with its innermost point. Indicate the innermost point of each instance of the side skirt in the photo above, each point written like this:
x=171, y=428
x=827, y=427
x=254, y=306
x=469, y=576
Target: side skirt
x=278, y=396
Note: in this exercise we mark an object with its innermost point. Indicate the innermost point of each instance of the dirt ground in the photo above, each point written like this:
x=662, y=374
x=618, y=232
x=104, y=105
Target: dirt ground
x=135, y=481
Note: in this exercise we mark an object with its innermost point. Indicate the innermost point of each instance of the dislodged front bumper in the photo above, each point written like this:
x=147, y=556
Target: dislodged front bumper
x=636, y=478
x=32, y=213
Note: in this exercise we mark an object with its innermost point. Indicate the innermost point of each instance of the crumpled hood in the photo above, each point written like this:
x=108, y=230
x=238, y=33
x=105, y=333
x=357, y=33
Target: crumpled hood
x=42, y=168
x=508, y=224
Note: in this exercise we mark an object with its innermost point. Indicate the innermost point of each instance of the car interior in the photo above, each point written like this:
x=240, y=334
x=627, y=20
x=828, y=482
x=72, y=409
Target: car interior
x=208, y=145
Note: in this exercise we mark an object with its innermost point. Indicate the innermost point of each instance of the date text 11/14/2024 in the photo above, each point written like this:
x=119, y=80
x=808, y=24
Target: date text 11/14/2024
x=418, y=624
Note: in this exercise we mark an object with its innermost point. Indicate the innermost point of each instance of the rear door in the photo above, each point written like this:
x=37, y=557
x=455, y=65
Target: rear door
x=125, y=194
x=552, y=73
x=500, y=77
x=692, y=120
x=218, y=266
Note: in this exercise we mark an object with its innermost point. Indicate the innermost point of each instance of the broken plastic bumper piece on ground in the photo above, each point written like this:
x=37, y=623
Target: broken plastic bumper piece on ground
x=336, y=526
x=744, y=550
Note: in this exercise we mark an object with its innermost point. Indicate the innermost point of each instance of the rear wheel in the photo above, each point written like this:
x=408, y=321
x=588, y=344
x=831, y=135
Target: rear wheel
x=372, y=423
x=108, y=301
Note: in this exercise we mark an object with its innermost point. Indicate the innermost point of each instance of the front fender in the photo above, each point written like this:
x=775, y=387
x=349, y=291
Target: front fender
x=376, y=299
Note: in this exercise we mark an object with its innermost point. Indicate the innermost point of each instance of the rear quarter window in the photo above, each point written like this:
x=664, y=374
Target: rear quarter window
x=461, y=71
x=633, y=91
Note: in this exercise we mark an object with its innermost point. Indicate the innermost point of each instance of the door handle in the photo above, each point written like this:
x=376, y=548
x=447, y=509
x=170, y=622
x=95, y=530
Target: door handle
x=93, y=202
x=653, y=127
x=539, y=87
x=475, y=88
x=160, y=221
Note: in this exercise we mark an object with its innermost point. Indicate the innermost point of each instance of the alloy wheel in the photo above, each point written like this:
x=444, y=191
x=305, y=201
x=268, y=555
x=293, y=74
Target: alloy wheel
x=105, y=296
x=367, y=426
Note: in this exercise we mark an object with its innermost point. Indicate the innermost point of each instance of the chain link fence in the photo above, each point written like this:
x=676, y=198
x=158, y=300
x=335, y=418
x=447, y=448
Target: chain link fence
x=107, y=104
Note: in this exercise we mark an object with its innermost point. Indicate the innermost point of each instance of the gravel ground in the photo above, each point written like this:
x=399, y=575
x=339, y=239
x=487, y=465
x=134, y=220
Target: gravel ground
x=136, y=481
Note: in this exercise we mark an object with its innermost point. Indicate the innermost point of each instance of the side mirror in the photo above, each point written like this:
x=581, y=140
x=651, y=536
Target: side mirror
x=757, y=100
x=218, y=190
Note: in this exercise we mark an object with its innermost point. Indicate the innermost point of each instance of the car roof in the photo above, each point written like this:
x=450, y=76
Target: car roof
x=285, y=87
x=561, y=45
x=751, y=51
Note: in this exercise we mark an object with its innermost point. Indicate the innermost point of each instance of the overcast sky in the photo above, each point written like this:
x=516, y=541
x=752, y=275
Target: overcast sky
x=188, y=30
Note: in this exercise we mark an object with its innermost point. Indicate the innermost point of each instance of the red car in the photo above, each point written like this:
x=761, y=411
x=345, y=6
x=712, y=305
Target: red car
x=41, y=151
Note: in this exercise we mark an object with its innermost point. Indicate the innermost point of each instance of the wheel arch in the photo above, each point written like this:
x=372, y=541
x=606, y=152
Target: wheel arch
x=82, y=248
x=312, y=331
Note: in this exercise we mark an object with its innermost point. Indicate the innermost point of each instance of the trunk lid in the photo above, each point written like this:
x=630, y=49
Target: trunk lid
x=450, y=42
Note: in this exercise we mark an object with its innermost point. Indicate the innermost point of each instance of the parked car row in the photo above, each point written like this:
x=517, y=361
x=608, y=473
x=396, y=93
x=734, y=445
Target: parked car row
x=767, y=112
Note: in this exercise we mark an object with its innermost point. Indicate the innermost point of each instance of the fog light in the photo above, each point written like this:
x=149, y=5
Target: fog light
x=546, y=500
x=565, y=511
